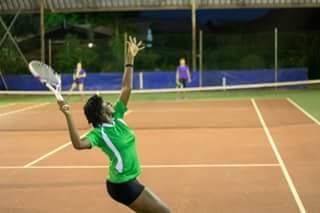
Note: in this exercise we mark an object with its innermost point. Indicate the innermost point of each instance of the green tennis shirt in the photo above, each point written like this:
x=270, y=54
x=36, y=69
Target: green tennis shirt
x=118, y=142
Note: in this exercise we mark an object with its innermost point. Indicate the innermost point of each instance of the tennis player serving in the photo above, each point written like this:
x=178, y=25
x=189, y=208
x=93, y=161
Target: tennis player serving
x=111, y=134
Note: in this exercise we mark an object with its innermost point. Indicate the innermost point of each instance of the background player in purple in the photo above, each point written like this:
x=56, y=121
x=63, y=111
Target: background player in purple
x=183, y=75
x=78, y=79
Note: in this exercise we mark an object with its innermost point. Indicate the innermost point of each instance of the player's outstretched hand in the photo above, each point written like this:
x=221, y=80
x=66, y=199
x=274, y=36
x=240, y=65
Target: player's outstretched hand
x=134, y=47
x=64, y=107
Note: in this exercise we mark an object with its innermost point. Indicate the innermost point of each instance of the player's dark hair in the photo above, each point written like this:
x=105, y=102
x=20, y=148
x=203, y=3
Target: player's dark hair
x=92, y=110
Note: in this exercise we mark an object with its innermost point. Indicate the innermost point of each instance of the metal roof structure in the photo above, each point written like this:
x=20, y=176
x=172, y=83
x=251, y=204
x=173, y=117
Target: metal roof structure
x=65, y=6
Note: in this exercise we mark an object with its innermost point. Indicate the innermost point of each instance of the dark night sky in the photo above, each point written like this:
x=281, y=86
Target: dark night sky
x=217, y=16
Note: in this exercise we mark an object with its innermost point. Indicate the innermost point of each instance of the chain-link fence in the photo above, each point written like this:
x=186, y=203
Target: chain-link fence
x=103, y=50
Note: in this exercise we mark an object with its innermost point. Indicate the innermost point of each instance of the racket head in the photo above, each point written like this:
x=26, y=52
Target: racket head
x=46, y=75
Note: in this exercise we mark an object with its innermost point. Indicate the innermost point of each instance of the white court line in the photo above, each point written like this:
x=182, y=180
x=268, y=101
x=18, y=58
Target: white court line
x=23, y=109
x=47, y=155
x=304, y=111
x=209, y=165
x=28, y=165
x=50, y=153
x=280, y=160
x=11, y=167
x=7, y=105
x=148, y=166
x=172, y=110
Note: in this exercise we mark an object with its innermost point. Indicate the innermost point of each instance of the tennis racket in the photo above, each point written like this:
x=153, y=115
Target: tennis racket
x=46, y=75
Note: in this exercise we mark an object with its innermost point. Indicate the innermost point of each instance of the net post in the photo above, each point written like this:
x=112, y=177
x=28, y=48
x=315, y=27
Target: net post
x=141, y=80
x=224, y=83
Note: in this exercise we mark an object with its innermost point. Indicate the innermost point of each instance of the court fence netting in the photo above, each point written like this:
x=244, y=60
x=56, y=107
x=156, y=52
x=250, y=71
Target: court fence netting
x=19, y=113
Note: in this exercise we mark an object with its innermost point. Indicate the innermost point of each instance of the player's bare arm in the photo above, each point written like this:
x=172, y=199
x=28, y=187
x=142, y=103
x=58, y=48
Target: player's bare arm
x=77, y=142
x=177, y=77
x=133, y=48
x=189, y=76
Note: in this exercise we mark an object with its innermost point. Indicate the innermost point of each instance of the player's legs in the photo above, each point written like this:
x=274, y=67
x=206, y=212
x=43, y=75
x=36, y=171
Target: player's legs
x=73, y=86
x=81, y=88
x=148, y=202
x=181, y=85
x=183, y=82
x=136, y=196
x=178, y=86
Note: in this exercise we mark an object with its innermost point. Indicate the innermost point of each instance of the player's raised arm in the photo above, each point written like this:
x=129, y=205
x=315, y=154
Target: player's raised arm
x=133, y=48
x=77, y=142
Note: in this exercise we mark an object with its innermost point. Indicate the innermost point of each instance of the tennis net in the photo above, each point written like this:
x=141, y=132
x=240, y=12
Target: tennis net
x=152, y=109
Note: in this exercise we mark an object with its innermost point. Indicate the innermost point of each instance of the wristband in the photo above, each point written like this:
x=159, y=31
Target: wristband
x=129, y=65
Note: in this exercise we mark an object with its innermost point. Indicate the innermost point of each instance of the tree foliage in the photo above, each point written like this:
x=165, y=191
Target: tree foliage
x=72, y=52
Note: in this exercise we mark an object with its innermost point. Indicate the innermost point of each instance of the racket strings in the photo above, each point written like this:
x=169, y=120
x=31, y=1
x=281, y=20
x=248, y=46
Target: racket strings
x=47, y=75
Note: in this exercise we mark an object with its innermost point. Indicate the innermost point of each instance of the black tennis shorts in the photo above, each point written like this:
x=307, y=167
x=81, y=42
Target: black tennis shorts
x=125, y=193
x=183, y=82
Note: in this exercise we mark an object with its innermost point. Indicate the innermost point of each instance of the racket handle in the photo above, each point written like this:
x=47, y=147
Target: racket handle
x=55, y=92
x=59, y=96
